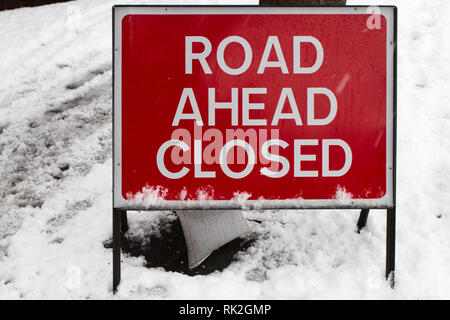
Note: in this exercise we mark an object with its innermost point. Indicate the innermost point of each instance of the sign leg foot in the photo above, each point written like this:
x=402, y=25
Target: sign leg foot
x=390, y=246
x=117, y=216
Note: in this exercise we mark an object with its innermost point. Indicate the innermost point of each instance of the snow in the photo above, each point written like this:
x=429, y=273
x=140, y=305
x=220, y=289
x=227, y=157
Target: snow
x=55, y=178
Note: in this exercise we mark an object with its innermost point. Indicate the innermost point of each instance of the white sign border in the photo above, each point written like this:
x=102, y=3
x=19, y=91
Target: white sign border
x=389, y=12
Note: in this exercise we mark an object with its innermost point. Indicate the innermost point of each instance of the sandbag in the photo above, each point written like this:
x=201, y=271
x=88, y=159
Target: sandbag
x=206, y=231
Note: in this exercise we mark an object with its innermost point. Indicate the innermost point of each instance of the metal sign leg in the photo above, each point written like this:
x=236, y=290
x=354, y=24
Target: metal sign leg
x=123, y=221
x=118, y=216
x=390, y=246
x=362, y=219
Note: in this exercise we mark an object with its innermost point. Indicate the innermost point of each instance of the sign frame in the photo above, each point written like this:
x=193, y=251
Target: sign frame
x=120, y=205
x=387, y=201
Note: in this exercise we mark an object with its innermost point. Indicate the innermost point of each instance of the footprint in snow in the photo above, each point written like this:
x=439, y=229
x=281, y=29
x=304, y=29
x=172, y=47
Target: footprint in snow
x=81, y=81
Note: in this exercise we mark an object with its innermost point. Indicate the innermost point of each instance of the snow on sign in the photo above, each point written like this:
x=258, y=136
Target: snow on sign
x=228, y=107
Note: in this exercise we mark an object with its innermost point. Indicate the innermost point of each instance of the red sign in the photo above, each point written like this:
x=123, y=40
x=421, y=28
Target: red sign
x=253, y=104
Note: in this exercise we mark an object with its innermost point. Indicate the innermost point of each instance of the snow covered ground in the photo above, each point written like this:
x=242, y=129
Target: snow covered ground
x=55, y=177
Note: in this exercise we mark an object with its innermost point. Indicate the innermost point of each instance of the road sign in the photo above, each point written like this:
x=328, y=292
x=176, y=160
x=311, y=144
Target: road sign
x=256, y=107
